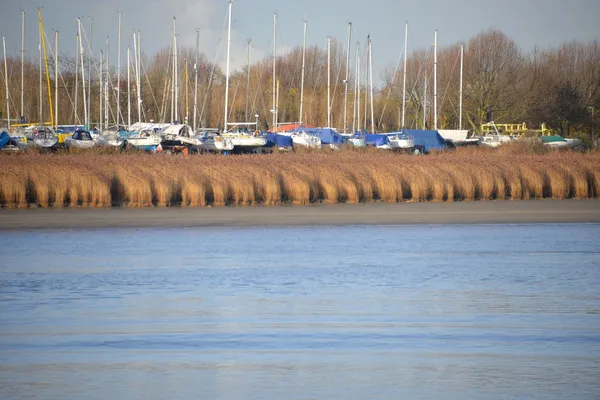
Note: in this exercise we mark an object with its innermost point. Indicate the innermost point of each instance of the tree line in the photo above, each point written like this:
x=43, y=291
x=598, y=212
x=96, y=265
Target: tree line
x=559, y=86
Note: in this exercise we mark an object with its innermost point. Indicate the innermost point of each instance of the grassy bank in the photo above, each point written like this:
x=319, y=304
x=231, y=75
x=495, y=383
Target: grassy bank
x=145, y=180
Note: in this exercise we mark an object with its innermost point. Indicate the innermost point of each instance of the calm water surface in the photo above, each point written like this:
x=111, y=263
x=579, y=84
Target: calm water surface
x=419, y=312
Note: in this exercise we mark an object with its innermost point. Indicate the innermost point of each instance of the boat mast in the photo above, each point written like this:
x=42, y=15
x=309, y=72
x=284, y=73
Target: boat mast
x=82, y=71
x=196, y=77
x=435, y=81
x=404, y=81
x=329, y=81
x=347, y=74
x=89, y=92
x=371, y=84
x=303, y=66
x=358, y=86
x=47, y=70
x=227, y=69
x=187, y=110
x=56, y=79
x=276, y=103
x=40, y=67
x=6, y=83
x=173, y=67
x=248, y=80
x=176, y=69
x=425, y=101
x=76, y=77
x=22, y=63
x=107, y=85
x=100, y=72
x=128, y=89
x=137, y=76
x=274, y=65
x=460, y=103
x=119, y=72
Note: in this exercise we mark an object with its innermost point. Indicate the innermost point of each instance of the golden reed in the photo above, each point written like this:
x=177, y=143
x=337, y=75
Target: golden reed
x=98, y=179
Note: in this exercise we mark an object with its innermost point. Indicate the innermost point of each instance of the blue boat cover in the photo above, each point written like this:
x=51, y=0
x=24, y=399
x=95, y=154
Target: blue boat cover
x=275, y=139
x=4, y=138
x=372, y=139
x=327, y=135
x=428, y=140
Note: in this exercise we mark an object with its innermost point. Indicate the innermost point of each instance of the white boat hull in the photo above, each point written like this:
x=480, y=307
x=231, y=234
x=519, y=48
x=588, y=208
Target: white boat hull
x=71, y=143
x=144, y=141
x=306, y=140
x=45, y=142
x=246, y=142
x=494, y=141
x=401, y=142
x=212, y=144
x=357, y=142
x=455, y=136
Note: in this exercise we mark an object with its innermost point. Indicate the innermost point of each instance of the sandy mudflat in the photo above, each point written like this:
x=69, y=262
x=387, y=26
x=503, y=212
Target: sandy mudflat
x=479, y=212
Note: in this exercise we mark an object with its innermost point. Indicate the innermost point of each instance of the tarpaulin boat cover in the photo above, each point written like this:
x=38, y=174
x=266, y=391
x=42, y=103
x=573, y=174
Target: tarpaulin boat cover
x=428, y=140
x=372, y=139
x=4, y=138
x=275, y=139
x=327, y=135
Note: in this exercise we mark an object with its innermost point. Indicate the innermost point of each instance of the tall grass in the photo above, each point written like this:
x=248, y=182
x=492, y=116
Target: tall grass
x=143, y=180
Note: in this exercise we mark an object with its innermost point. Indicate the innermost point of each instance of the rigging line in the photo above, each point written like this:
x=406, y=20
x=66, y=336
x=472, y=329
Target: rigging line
x=449, y=81
x=149, y=85
x=337, y=78
x=90, y=53
x=167, y=84
x=214, y=66
x=61, y=76
x=391, y=84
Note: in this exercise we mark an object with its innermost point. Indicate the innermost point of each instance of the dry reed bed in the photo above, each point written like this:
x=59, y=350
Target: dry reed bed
x=142, y=180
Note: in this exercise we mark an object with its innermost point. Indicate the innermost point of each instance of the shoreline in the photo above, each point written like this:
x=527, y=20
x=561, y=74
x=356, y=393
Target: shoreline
x=408, y=213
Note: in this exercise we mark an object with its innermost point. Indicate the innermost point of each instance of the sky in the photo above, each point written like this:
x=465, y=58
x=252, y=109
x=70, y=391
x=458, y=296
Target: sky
x=530, y=23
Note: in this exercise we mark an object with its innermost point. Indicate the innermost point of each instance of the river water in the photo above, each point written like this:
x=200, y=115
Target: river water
x=355, y=312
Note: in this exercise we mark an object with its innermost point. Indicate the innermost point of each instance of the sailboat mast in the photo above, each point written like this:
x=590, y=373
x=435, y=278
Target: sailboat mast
x=6, y=83
x=76, y=77
x=47, y=70
x=248, y=80
x=137, y=76
x=329, y=81
x=347, y=75
x=56, y=79
x=82, y=71
x=40, y=69
x=460, y=103
x=128, y=89
x=404, y=80
x=196, y=77
x=435, y=81
x=358, y=86
x=107, y=86
x=119, y=72
x=176, y=71
x=100, y=78
x=276, y=103
x=303, y=66
x=227, y=69
x=425, y=101
x=22, y=63
x=187, y=111
x=173, y=69
x=371, y=84
x=89, y=63
x=274, y=65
